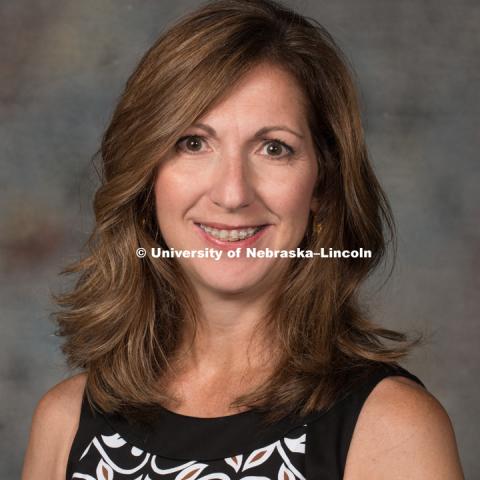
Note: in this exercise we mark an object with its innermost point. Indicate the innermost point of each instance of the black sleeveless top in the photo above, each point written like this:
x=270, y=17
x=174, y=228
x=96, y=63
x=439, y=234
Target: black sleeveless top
x=180, y=447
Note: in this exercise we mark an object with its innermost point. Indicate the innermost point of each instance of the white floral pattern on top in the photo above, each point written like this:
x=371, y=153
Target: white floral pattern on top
x=110, y=457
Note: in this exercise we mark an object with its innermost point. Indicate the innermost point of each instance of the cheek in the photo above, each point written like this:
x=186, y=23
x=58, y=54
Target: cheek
x=173, y=189
x=163, y=199
x=170, y=194
x=292, y=196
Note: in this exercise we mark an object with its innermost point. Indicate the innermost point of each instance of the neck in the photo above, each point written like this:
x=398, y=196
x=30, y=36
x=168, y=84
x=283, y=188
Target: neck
x=231, y=337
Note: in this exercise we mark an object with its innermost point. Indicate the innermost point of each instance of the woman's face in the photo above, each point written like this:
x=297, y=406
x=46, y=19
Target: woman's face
x=248, y=162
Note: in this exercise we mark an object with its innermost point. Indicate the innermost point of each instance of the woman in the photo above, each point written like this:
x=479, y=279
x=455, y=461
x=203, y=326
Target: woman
x=239, y=129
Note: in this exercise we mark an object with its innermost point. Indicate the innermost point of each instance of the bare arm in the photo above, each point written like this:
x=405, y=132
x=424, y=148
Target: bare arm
x=53, y=428
x=403, y=432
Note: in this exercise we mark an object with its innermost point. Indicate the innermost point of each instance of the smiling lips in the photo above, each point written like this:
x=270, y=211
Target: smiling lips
x=221, y=226
x=229, y=233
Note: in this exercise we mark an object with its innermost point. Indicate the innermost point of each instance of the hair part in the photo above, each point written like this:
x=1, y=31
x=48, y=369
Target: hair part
x=123, y=321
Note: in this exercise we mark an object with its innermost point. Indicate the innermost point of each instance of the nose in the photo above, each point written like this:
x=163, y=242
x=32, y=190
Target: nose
x=231, y=186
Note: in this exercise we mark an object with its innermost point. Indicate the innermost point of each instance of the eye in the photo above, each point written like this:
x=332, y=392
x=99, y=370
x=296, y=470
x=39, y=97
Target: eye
x=275, y=147
x=190, y=143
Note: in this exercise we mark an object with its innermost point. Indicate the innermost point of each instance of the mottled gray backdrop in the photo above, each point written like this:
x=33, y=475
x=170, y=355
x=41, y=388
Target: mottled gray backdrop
x=63, y=65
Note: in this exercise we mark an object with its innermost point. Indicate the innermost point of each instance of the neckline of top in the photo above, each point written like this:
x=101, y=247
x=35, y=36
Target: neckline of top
x=191, y=418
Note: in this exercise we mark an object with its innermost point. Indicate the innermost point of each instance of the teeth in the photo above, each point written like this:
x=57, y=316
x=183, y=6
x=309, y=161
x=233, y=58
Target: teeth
x=231, y=235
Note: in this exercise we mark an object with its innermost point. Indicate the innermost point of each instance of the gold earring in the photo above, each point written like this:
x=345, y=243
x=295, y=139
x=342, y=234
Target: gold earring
x=317, y=227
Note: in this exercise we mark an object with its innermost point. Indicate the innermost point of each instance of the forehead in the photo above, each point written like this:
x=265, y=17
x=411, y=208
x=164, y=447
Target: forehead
x=267, y=93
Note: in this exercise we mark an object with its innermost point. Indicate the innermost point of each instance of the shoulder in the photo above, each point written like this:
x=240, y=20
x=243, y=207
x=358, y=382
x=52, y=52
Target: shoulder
x=54, y=424
x=61, y=403
x=403, y=431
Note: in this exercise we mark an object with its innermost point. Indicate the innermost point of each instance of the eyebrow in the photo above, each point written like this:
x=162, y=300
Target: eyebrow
x=258, y=134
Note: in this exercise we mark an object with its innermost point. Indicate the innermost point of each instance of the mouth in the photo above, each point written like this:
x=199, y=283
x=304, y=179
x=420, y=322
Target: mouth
x=231, y=234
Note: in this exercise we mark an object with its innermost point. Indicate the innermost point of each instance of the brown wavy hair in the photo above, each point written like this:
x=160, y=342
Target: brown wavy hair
x=122, y=321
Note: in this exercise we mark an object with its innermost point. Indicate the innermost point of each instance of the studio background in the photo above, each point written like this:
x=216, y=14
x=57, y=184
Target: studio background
x=417, y=63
